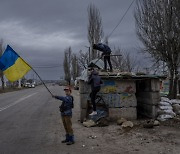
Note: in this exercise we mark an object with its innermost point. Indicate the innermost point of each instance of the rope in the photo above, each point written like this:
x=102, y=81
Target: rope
x=121, y=18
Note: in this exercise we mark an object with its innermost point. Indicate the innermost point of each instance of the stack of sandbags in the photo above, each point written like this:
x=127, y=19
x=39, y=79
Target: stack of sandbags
x=176, y=106
x=165, y=109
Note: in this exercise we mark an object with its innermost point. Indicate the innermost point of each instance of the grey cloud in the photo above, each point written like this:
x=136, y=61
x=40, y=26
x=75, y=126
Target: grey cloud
x=40, y=30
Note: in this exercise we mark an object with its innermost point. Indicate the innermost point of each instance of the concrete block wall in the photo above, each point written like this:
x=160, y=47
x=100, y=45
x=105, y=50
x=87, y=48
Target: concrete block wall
x=84, y=88
x=119, y=95
x=129, y=113
x=148, y=96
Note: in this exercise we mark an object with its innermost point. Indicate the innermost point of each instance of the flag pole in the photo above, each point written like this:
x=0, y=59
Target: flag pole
x=39, y=77
x=32, y=69
x=42, y=81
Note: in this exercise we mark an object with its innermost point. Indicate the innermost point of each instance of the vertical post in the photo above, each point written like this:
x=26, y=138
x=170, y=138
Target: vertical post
x=19, y=83
x=89, y=54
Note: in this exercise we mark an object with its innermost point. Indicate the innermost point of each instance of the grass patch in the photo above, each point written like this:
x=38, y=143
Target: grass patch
x=9, y=90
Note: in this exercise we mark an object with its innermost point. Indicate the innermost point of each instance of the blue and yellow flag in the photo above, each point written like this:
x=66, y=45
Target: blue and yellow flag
x=12, y=65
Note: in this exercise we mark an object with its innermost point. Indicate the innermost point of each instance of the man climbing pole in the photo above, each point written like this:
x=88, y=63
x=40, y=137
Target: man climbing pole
x=106, y=51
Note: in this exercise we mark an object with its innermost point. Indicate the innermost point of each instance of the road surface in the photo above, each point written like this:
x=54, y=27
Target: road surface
x=30, y=123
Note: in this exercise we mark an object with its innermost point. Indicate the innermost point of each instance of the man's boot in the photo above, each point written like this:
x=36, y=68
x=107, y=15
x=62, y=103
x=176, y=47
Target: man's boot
x=66, y=140
x=103, y=70
x=111, y=70
x=71, y=140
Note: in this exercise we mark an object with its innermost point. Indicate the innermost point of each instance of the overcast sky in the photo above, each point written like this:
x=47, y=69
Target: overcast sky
x=40, y=30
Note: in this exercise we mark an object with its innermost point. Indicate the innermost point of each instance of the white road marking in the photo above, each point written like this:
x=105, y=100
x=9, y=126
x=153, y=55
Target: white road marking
x=16, y=102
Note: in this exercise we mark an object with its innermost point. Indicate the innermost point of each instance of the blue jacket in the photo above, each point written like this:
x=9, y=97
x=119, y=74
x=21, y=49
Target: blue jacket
x=66, y=106
x=102, y=47
x=95, y=80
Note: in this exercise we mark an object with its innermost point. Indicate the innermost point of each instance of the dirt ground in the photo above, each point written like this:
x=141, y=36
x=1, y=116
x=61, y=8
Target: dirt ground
x=112, y=139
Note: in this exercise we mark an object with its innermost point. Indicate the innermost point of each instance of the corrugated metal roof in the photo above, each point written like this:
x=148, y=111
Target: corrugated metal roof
x=120, y=75
x=96, y=63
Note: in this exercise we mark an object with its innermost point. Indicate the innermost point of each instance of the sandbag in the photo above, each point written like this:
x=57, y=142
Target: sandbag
x=166, y=112
x=176, y=108
x=175, y=101
x=165, y=99
x=162, y=103
x=164, y=117
x=165, y=107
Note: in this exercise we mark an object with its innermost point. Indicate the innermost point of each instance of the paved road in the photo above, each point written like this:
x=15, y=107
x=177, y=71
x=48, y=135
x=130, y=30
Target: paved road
x=30, y=121
x=30, y=124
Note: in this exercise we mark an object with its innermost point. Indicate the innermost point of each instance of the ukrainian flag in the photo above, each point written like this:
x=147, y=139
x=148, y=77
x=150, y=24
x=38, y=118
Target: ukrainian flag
x=12, y=65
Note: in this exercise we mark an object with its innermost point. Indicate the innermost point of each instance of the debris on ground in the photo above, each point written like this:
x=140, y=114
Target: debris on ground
x=100, y=114
x=92, y=137
x=100, y=119
x=83, y=145
x=156, y=123
x=149, y=124
x=103, y=122
x=89, y=123
x=120, y=121
x=127, y=124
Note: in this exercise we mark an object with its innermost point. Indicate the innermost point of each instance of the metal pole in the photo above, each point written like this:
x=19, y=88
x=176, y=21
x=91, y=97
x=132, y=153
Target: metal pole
x=38, y=76
x=89, y=54
x=42, y=81
x=89, y=50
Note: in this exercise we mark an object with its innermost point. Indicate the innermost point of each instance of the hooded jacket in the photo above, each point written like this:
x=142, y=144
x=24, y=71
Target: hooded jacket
x=95, y=80
x=103, y=48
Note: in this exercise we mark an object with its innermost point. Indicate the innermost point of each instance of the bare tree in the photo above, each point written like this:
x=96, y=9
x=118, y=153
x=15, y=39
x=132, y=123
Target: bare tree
x=67, y=65
x=118, y=61
x=95, y=29
x=126, y=62
x=158, y=27
x=83, y=59
x=130, y=62
x=75, y=67
x=1, y=72
x=106, y=40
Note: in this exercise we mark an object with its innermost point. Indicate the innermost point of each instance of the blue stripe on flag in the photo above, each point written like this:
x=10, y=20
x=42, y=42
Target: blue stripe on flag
x=8, y=58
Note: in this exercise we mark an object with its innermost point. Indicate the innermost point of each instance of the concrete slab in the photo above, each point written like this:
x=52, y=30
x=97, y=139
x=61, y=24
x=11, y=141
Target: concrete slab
x=128, y=113
x=84, y=87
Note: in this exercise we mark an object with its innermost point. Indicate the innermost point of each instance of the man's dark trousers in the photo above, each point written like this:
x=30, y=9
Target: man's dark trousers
x=93, y=96
x=107, y=59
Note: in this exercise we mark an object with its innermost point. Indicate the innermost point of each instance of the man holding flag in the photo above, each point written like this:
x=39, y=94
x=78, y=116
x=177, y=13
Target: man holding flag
x=14, y=68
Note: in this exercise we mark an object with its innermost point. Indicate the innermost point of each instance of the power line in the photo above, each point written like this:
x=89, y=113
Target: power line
x=47, y=66
x=121, y=18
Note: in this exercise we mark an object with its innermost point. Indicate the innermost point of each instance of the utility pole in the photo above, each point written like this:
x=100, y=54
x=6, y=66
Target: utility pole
x=19, y=83
x=89, y=50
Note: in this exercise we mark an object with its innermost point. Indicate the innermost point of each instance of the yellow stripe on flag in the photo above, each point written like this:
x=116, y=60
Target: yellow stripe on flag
x=17, y=71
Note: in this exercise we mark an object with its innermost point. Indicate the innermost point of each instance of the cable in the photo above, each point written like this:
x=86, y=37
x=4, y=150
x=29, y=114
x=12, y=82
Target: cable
x=121, y=18
x=47, y=66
